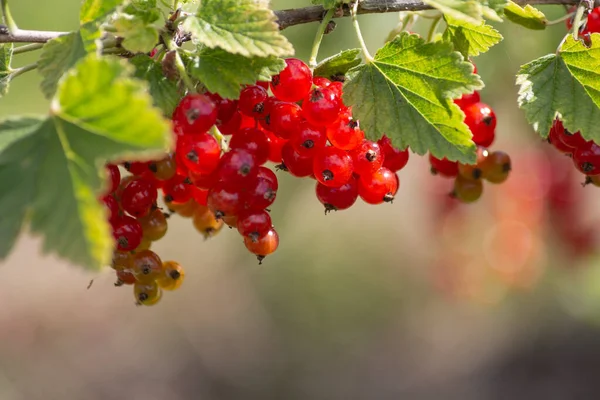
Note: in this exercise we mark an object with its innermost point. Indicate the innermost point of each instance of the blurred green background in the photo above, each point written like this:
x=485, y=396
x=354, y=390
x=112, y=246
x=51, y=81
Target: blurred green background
x=415, y=300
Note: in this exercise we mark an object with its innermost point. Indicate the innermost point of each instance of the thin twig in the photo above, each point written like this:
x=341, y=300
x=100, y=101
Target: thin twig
x=286, y=18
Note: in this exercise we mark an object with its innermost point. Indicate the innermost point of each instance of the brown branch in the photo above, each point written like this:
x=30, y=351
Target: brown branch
x=286, y=18
x=291, y=17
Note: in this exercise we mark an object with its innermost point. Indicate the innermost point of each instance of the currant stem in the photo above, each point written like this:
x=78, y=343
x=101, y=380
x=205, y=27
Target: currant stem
x=434, y=25
x=23, y=69
x=561, y=19
x=361, y=40
x=578, y=17
x=187, y=81
x=27, y=48
x=220, y=138
x=312, y=62
x=8, y=19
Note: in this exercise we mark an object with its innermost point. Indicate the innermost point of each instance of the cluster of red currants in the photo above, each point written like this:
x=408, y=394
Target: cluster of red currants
x=493, y=167
x=585, y=154
x=136, y=222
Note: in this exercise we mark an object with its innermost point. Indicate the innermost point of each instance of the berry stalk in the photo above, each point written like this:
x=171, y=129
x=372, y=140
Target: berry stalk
x=312, y=62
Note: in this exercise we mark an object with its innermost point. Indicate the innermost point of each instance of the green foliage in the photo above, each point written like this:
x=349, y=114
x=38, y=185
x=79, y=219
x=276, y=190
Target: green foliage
x=93, y=10
x=406, y=93
x=529, y=17
x=471, y=11
x=5, y=71
x=339, y=63
x=470, y=39
x=243, y=27
x=135, y=24
x=224, y=73
x=58, y=56
x=329, y=3
x=52, y=163
x=163, y=90
x=567, y=83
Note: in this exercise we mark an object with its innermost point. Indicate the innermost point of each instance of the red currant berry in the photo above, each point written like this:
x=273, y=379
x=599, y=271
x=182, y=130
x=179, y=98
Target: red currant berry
x=296, y=164
x=177, y=189
x=124, y=277
x=114, y=210
x=264, y=118
x=443, y=167
x=225, y=199
x=195, y=113
x=307, y=139
x=341, y=198
x=345, y=132
x=555, y=138
x=200, y=196
x=137, y=167
x=293, y=83
x=378, y=187
x=127, y=232
x=199, y=153
x=114, y=178
x=367, y=158
x=254, y=224
x=321, y=107
x=496, y=167
x=266, y=173
x=467, y=190
x=261, y=194
x=254, y=141
x=481, y=120
x=587, y=159
x=226, y=108
x=164, y=169
x=394, y=159
x=474, y=171
x=237, y=165
x=252, y=100
x=284, y=119
x=147, y=266
x=264, y=246
x=468, y=99
x=154, y=225
x=572, y=140
x=338, y=88
x=232, y=126
x=321, y=81
x=332, y=167
x=138, y=197
x=202, y=181
x=275, y=146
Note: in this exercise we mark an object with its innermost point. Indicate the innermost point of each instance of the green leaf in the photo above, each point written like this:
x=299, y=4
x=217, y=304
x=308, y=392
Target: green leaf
x=464, y=10
x=567, y=83
x=59, y=55
x=406, y=93
x=6, y=50
x=245, y=27
x=529, y=17
x=138, y=36
x=53, y=165
x=327, y=4
x=224, y=73
x=470, y=39
x=163, y=91
x=338, y=64
x=92, y=10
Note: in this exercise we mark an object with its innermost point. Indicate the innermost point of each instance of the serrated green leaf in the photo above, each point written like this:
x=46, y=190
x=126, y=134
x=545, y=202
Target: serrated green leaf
x=406, y=93
x=529, y=17
x=327, y=4
x=6, y=50
x=163, y=91
x=338, y=64
x=138, y=36
x=567, y=83
x=224, y=73
x=464, y=10
x=470, y=39
x=92, y=10
x=243, y=27
x=53, y=165
x=59, y=55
